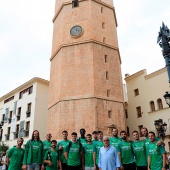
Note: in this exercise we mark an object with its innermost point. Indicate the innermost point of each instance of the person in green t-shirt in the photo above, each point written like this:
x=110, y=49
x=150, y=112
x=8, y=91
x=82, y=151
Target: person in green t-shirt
x=51, y=157
x=63, y=143
x=125, y=153
x=115, y=140
x=47, y=143
x=15, y=156
x=82, y=139
x=88, y=151
x=139, y=152
x=33, y=157
x=157, y=154
x=94, y=137
x=97, y=147
x=144, y=132
x=73, y=153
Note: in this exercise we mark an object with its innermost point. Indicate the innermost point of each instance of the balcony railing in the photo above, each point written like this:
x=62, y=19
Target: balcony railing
x=15, y=135
x=18, y=117
x=27, y=133
x=28, y=113
x=7, y=136
x=9, y=120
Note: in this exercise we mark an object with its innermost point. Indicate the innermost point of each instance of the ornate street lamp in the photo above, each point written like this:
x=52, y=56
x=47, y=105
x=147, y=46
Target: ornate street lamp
x=164, y=41
x=161, y=128
x=167, y=98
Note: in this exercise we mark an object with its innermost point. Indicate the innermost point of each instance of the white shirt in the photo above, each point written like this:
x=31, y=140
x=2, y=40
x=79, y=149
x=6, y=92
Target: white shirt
x=4, y=160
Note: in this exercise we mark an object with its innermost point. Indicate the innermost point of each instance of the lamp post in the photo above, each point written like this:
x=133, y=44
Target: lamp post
x=167, y=98
x=161, y=128
x=164, y=41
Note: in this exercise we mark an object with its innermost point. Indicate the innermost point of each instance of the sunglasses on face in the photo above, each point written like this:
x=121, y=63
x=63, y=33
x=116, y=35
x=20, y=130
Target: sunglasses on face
x=105, y=140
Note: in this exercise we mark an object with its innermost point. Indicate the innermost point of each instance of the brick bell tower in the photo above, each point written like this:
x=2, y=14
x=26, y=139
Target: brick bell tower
x=85, y=88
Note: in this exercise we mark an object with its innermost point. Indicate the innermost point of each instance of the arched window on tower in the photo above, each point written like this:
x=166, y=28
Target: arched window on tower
x=160, y=105
x=152, y=105
x=75, y=3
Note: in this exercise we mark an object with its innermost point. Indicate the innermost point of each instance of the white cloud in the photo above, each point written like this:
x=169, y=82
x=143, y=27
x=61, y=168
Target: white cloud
x=26, y=37
x=137, y=32
x=25, y=41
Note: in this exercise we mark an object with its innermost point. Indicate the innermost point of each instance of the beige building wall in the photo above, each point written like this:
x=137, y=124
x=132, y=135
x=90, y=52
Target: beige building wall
x=38, y=113
x=151, y=88
x=41, y=108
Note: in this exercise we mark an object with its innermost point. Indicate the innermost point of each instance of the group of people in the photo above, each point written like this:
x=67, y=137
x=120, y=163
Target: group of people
x=89, y=152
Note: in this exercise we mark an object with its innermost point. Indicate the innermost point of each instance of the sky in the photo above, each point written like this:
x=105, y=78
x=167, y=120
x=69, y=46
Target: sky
x=26, y=38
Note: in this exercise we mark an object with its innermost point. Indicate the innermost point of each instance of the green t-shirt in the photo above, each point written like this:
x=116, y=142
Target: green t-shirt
x=46, y=146
x=29, y=156
x=63, y=143
x=97, y=147
x=35, y=150
x=74, y=153
x=82, y=141
x=140, y=153
x=115, y=141
x=54, y=157
x=16, y=156
x=147, y=141
x=155, y=153
x=94, y=141
x=88, y=150
x=126, y=151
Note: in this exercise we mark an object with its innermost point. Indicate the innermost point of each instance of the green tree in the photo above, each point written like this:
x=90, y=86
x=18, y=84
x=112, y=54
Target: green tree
x=3, y=147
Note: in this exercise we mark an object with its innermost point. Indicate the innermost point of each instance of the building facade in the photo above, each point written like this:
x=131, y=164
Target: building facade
x=23, y=110
x=85, y=88
x=146, y=102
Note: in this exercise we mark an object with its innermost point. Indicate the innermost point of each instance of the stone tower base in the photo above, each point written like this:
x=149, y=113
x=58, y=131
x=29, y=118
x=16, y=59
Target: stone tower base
x=88, y=113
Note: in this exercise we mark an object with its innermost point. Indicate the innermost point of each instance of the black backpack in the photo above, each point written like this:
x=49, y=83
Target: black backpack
x=70, y=145
x=49, y=157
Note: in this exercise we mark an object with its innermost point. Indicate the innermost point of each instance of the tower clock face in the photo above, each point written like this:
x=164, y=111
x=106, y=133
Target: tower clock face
x=76, y=31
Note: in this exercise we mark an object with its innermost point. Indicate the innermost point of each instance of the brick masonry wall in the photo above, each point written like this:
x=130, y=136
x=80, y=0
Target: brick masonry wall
x=78, y=90
x=90, y=114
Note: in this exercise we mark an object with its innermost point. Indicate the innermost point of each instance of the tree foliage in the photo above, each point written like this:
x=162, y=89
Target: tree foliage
x=3, y=148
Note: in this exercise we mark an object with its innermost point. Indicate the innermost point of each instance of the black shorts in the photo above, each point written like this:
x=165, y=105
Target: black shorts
x=131, y=166
x=142, y=168
x=64, y=166
x=97, y=168
x=73, y=167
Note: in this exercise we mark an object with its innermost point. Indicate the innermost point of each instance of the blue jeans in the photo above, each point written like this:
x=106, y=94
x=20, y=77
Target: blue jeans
x=33, y=166
x=89, y=168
